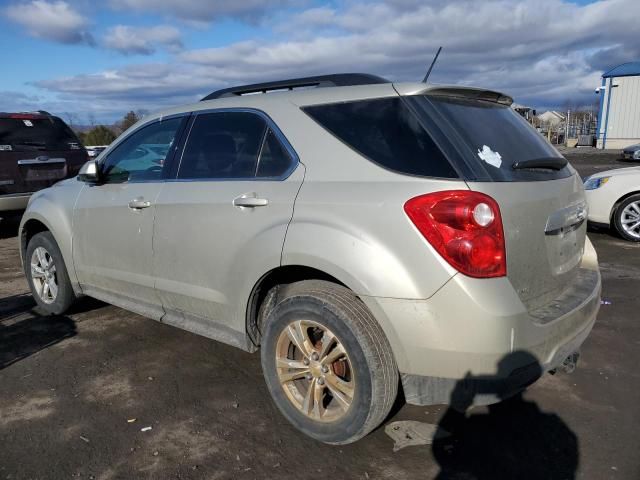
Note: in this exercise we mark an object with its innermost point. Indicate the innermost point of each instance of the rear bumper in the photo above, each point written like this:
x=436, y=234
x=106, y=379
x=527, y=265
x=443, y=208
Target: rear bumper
x=17, y=201
x=478, y=330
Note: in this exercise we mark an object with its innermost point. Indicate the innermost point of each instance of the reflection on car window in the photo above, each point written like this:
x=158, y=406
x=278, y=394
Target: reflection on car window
x=142, y=155
x=386, y=132
x=223, y=145
x=274, y=160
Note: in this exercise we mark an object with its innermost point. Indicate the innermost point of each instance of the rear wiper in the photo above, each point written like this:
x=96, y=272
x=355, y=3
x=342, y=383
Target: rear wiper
x=548, y=163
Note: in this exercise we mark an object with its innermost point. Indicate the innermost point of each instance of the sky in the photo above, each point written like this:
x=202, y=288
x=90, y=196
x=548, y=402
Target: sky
x=92, y=61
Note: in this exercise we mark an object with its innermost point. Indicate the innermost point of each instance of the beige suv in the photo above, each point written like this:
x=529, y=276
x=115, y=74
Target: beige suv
x=365, y=236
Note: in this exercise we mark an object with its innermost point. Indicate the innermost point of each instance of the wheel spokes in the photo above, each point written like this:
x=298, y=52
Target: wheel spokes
x=53, y=288
x=327, y=341
x=37, y=271
x=314, y=370
x=42, y=257
x=341, y=390
x=335, y=354
x=298, y=335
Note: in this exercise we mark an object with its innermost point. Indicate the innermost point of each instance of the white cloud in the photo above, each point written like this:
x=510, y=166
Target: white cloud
x=142, y=40
x=543, y=52
x=203, y=10
x=56, y=21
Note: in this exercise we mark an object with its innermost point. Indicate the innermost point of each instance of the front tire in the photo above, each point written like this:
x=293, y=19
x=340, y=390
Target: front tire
x=47, y=275
x=327, y=363
x=626, y=218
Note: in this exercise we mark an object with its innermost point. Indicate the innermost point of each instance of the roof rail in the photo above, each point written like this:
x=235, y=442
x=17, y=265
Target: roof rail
x=335, y=80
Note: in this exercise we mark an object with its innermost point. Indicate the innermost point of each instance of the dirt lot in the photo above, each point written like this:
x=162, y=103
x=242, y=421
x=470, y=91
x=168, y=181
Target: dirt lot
x=71, y=387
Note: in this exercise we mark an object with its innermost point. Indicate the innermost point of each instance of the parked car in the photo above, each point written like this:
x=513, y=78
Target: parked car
x=614, y=201
x=36, y=150
x=632, y=152
x=94, y=150
x=361, y=233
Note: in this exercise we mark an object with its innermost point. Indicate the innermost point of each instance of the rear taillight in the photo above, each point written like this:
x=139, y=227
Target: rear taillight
x=465, y=228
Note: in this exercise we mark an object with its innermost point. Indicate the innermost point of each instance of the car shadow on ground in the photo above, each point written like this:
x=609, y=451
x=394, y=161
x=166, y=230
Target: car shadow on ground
x=507, y=440
x=24, y=331
x=9, y=224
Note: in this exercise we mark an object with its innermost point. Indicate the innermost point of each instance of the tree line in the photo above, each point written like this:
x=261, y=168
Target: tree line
x=105, y=134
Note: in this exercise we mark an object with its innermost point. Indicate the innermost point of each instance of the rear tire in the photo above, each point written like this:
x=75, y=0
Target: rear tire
x=47, y=275
x=626, y=216
x=344, y=376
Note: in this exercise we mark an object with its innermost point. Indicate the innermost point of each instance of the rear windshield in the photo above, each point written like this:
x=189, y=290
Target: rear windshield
x=387, y=133
x=491, y=137
x=39, y=133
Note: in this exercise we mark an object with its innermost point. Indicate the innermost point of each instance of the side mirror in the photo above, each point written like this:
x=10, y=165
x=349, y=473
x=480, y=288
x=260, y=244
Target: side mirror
x=89, y=172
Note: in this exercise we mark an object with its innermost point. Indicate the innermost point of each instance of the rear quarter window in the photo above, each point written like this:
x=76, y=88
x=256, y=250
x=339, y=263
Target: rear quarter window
x=387, y=133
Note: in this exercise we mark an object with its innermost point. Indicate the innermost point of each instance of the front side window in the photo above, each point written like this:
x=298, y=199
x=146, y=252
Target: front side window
x=223, y=145
x=143, y=155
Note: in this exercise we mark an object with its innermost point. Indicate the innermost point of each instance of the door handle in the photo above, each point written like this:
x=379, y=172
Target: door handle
x=139, y=203
x=250, y=201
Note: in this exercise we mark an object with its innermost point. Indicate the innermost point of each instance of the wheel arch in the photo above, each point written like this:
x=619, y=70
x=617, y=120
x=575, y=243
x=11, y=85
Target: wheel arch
x=30, y=228
x=43, y=214
x=286, y=274
x=281, y=275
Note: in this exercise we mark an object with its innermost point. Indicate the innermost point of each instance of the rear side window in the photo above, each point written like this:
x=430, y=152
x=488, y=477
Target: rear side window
x=36, y=133
x=223, y=145
x=386, y=132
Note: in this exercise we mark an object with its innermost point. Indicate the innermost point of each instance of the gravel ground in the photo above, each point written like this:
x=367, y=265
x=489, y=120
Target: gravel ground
x=76, y=392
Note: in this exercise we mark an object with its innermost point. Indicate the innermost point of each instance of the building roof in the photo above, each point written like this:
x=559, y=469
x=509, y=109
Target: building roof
x=551, y=113
x=624, y=70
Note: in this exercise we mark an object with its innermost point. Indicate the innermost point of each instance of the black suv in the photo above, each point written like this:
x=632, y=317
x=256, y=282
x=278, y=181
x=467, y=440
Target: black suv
x=36, y=150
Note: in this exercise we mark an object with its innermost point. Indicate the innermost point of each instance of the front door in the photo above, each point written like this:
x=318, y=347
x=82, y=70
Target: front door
x=113, y=220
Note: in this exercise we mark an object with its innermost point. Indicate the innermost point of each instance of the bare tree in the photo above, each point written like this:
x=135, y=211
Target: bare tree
x=71, y=119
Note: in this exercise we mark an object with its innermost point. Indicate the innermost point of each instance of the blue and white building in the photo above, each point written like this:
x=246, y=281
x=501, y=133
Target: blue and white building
x=619, y=117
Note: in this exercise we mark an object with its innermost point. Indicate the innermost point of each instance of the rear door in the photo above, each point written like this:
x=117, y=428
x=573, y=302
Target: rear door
x=220, y=225
x=35, y=152
x=113, y=220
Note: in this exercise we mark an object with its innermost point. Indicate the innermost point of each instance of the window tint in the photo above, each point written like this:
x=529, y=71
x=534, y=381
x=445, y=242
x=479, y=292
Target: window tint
x=385, y=131
x=37, y=133
x=223, y=145
x=492, y=130
x=274, y=160
x=142, y=155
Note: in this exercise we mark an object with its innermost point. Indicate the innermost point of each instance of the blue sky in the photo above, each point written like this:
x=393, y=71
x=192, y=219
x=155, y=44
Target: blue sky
x=93, y=63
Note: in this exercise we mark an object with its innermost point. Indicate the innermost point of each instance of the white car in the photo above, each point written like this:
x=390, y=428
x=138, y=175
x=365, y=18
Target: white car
x=614, y=200
x=94, y=150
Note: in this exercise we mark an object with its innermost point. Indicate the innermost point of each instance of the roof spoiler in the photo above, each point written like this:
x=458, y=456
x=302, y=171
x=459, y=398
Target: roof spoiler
x=335, y=80
x=453, y=91
x=470, y=93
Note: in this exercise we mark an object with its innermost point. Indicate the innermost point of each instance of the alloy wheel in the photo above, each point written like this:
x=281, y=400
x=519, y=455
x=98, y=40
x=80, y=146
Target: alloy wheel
x=44, y=276
x=315, y=371
x=630, y=219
